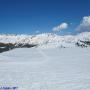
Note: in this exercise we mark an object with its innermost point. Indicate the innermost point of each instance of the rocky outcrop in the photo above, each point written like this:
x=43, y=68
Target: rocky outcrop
x=83, y=43
x=9, y=46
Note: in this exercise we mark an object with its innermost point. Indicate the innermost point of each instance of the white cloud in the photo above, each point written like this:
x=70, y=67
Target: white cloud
x=62, y=26
x=84, y=25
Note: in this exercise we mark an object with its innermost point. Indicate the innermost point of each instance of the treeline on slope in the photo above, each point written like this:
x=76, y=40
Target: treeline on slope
x=83, y=43
x=8, y=46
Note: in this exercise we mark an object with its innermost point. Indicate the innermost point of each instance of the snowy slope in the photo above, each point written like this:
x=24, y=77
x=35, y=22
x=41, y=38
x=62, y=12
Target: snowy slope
x=46, y=39
x=46, y=69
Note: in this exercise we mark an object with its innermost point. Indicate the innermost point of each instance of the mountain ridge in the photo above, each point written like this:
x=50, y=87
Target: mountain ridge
x=47, y=40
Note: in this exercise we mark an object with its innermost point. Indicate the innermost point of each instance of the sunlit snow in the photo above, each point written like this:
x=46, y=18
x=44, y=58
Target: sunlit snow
x=46, y=69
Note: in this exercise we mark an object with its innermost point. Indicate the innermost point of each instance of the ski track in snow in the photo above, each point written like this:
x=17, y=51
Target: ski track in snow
x=46, y=69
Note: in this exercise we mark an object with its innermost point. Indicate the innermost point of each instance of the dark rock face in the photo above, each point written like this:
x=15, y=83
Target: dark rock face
x=3, y=49
x=9, y=46
x=6, y=47
x=86, y=42
x=80, y=45
x=83, y=44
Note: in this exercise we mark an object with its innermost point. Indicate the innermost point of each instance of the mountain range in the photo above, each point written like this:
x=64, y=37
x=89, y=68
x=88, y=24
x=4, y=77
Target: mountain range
x=45, y=40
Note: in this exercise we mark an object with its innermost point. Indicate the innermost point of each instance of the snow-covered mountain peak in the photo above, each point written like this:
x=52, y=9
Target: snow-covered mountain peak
x=45, y=39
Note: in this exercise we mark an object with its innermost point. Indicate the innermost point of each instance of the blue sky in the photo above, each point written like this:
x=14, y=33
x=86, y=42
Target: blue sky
x=29, y=16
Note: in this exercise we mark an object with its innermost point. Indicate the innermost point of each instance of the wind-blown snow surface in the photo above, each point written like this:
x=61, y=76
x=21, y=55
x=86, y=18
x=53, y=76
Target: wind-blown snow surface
x=46, y=69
